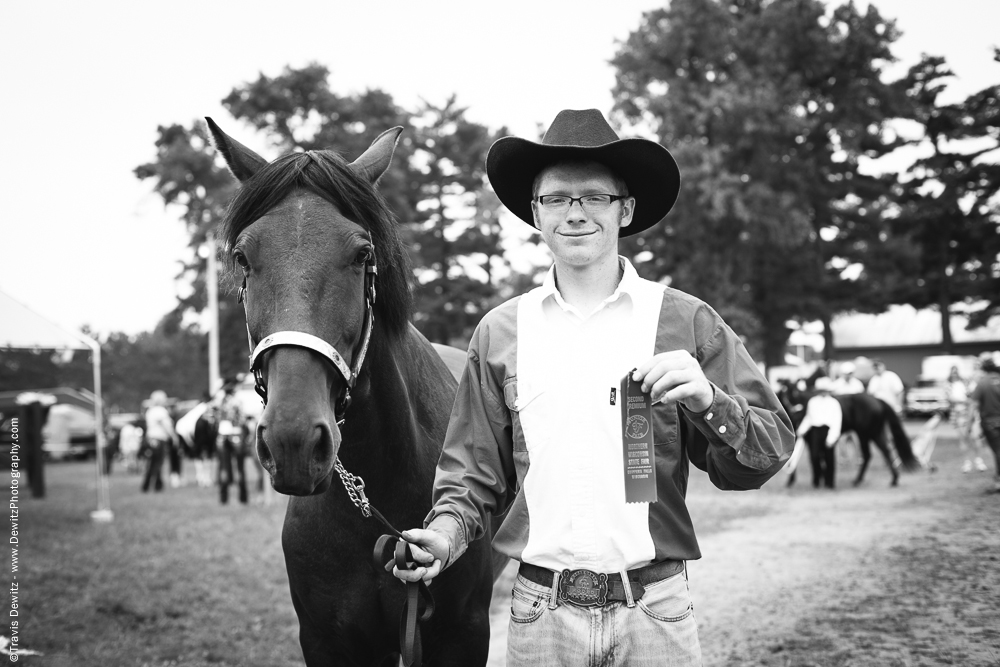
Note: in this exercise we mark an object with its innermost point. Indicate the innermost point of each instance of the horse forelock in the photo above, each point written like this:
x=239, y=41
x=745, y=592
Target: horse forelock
x=328, y=175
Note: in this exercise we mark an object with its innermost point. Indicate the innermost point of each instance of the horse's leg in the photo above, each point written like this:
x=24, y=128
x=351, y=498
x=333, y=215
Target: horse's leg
x=866, y=456
x=890, y=460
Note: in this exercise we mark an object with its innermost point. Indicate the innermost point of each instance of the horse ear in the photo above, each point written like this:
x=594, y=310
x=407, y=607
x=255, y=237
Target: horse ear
x=374, y=161
x=242, y=161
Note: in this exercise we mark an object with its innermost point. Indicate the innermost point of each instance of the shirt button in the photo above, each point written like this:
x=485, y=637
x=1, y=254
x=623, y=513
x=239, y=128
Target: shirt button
x=709, y=415
x=722, y=429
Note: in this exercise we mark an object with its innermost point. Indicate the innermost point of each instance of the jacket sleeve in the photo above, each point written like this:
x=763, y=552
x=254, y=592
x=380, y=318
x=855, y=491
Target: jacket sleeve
x=744, y=437
x=476, y=466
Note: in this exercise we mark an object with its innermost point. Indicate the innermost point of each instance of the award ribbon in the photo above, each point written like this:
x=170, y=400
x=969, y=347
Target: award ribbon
x=637, y=442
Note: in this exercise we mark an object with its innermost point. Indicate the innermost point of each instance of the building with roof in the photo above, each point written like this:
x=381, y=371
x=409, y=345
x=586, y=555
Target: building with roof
x=903, y=337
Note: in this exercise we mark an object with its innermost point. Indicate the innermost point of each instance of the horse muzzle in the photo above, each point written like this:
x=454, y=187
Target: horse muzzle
x=297, y=453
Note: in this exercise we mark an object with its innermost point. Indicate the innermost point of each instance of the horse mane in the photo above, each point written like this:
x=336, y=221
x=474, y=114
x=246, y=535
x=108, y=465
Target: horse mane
x=329, y=176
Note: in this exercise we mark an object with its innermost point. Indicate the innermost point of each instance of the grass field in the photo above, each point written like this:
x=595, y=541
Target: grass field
x=178, y=579
x=175, y=579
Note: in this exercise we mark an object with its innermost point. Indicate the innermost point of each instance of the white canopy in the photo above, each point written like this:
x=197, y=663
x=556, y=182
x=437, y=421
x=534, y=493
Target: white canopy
x=23, y=329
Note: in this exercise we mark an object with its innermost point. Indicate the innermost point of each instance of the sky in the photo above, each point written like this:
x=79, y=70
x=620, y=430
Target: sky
x=87, y=83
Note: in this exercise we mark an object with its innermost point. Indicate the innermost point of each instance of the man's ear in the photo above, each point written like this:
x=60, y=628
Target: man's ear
x=628, y=209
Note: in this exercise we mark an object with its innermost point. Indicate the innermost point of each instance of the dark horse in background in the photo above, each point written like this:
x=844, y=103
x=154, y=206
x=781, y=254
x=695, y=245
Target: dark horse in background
x=308, y=232
x=864, y=414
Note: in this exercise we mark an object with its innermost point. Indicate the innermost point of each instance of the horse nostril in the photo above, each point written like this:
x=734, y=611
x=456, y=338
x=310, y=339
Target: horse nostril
x=264, y=453
x=322, y=450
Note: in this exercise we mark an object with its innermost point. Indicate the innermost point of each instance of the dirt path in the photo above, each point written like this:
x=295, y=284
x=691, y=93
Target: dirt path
x=856, y=576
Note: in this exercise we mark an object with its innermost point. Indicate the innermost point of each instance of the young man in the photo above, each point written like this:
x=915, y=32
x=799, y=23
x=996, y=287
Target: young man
x=596, y=466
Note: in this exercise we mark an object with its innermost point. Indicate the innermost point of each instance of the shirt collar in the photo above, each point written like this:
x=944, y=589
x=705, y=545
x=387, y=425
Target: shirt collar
x=626, y=286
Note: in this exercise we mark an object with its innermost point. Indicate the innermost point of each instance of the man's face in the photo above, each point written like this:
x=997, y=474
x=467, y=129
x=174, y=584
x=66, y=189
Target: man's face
x=576, y=236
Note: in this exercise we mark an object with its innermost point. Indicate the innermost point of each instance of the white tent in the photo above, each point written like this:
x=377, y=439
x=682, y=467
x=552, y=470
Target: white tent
x=23, y=329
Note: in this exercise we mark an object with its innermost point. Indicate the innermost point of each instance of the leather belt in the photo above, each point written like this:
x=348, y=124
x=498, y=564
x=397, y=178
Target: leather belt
x=585, y=588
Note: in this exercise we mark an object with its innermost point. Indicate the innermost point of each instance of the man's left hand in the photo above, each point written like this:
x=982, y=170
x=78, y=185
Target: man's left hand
x=676, y=376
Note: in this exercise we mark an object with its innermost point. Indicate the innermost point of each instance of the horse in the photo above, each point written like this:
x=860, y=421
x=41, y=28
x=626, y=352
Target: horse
x=349, y=384
x=864, y=414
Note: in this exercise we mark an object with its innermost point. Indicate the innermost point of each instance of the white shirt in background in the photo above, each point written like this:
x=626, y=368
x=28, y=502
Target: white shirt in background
x=823, y=410
x=888, y=387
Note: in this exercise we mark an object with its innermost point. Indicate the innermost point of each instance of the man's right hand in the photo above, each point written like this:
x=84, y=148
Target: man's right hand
x=430, y=551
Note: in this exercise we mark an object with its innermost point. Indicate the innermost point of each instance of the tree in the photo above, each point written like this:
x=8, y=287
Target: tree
x=948, y=206
x=171, y=357
x=435, y=187
x=456, y=234
x=768, y=107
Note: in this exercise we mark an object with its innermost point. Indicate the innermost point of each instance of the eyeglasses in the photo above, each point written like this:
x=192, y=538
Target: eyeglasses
x=590, y=203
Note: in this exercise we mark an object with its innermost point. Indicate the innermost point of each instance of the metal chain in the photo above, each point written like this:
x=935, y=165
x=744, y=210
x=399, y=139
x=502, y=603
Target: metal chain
x=355, y=487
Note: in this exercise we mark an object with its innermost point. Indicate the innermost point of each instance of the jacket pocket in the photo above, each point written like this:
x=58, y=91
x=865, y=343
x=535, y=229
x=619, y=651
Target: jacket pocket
x=664, y=423
x=521, y=399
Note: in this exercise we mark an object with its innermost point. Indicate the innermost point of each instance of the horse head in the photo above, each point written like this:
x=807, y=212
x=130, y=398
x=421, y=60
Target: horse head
x=305, y=233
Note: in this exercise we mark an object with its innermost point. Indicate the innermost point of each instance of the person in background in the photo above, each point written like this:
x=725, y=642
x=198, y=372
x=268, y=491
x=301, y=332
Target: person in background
x=959, y=418
x=846, y=383
x=985, y=400
x=231, y=446
x=887, y=386
x=129, y=443
x=205, y=433
x=175, y=457
x=160, y=434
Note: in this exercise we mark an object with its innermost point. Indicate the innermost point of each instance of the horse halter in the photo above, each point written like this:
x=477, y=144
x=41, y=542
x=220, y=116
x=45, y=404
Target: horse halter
x=317, y=345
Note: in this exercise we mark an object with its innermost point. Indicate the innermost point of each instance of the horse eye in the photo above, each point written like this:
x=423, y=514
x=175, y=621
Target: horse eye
x=241, y=259
x=363, y=256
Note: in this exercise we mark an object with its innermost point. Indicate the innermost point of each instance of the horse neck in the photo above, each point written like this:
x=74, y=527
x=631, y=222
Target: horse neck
x=393, y=429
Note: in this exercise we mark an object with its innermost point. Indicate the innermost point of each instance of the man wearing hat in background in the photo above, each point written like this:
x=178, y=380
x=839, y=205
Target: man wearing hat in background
x=986, y=403
x=583, y=401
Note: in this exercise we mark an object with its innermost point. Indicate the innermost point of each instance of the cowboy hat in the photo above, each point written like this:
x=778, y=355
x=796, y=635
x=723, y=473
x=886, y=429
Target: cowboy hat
x=647, y=168
x=823, y=383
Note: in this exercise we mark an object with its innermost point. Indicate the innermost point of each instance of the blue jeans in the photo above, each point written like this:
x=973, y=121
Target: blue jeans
x=658, y=630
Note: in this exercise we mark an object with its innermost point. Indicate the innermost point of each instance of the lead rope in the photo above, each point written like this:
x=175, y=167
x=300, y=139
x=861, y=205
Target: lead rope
x=394, y=544
x=395, y=550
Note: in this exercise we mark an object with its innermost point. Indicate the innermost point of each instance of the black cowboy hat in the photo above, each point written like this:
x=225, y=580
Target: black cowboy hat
x=647, y=168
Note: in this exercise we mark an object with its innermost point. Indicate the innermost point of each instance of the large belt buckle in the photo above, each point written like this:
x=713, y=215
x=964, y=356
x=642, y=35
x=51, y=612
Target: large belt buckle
x=583, y=588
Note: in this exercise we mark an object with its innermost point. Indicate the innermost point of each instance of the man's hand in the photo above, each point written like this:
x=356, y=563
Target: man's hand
x=430, y=550
x=676, y=376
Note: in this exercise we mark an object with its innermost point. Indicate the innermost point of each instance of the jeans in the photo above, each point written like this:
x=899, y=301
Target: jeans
x=154, y=468
x=659, y=630
x=232, y=456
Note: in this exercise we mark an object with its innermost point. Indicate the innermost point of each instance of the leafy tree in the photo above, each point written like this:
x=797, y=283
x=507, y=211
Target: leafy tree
x=768, y=107
x=435, y=187
x=188, y=178
x=456, y=234
x=171, y=357
x=23, y=370
x=948, y=205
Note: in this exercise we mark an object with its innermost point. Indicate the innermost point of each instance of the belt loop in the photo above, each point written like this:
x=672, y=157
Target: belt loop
x=554, y=593
x=627, y=585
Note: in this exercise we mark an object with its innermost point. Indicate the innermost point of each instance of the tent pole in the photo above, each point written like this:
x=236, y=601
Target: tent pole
x=212, y=283
x=103, y=511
